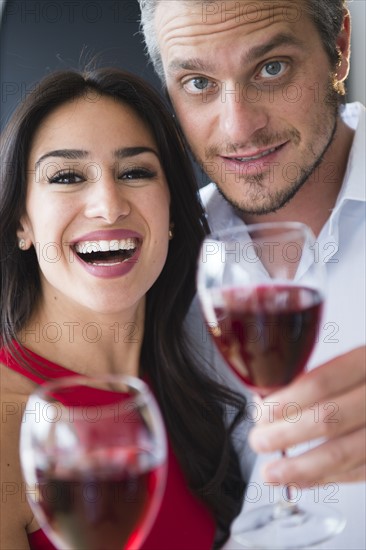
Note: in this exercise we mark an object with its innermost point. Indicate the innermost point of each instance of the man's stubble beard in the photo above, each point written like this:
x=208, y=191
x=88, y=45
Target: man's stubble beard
x=268, y=202
x=259, y=199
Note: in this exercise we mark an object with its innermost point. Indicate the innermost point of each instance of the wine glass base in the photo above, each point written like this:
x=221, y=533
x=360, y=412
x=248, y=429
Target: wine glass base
x=270, y=527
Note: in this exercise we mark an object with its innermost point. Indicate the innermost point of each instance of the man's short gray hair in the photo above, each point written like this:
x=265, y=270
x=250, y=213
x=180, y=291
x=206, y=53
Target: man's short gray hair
x=327, y=16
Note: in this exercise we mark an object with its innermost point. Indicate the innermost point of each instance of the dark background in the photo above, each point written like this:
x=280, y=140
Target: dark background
x=39, y=36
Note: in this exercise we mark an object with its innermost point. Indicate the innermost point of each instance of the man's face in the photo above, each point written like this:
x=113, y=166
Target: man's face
x=252, y=87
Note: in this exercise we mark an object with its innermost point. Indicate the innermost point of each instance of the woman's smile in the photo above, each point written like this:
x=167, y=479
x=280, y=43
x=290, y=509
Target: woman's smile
x=106, y=204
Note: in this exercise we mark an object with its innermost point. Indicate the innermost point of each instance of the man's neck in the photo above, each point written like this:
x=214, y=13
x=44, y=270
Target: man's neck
x=315, y=200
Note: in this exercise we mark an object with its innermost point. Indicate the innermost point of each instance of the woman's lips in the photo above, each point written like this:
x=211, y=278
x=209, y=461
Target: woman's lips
x=108, y=254
x=106, y=235
x=112, y=269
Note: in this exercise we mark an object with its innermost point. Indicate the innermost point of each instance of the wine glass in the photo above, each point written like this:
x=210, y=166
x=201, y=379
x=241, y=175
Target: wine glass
x=93, y=454
x=262, y=295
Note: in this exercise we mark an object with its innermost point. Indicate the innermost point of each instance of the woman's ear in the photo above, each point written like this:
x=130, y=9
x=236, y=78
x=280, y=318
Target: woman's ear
x=24, y=234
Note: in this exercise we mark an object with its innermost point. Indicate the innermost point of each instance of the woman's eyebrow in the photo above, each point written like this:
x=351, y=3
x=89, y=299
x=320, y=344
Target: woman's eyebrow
x=133, y=152
x=71, y=154
x=76, y=154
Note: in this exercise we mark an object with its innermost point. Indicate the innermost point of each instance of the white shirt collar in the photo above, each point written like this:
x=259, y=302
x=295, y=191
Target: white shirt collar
x=353, y=186
x=355, y=172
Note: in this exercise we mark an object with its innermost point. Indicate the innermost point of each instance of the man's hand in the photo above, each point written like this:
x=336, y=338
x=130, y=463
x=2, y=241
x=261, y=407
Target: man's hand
x=326, y=403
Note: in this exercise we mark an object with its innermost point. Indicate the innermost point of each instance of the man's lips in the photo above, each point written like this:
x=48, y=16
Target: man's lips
x=256, y=155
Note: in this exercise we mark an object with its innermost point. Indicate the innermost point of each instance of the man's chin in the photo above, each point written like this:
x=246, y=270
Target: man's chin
x=261, y=202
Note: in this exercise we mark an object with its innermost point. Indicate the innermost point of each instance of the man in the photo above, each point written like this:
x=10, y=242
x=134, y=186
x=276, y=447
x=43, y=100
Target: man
x=258, y=89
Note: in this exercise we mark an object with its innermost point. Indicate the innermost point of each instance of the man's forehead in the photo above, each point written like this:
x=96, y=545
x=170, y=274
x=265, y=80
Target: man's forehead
x=185, y=22
x=252, y=8
x=208, y=12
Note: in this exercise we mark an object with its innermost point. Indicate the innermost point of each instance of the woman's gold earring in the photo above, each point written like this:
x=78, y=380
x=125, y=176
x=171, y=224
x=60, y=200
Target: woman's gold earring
x=21, y=244
x=171, y=234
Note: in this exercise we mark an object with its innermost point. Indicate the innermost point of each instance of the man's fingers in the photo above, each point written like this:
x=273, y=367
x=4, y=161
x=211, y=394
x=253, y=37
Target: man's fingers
x=323, y=383
x=353, y=476
x=331, y=461
x=329, y=420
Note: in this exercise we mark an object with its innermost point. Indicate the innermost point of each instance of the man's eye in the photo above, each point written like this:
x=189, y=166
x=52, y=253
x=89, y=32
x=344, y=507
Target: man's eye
x=273, y=69
x=65, y=178
x=199, y=84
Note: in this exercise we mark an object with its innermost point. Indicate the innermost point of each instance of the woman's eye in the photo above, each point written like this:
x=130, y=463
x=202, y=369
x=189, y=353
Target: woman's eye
x=273, y=69
x=199, y=84
x=137, y=174
x=65, y=178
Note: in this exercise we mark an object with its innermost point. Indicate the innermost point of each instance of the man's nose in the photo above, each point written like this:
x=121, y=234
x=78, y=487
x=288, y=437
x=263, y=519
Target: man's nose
x=240, y=115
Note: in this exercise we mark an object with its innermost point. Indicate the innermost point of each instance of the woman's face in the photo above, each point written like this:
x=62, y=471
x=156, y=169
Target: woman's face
x=97, y=206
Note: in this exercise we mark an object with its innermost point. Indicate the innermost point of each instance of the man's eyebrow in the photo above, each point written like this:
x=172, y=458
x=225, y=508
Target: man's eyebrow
x=282, y=39
x=253, y=54
x=71, y=154
x=192, y=64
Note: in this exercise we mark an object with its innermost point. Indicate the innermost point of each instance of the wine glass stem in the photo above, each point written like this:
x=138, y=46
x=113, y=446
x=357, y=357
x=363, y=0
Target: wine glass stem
x=287, y=489
x=284, y=506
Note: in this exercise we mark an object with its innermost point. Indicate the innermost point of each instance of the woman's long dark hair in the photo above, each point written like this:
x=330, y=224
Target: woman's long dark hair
x=193, y=404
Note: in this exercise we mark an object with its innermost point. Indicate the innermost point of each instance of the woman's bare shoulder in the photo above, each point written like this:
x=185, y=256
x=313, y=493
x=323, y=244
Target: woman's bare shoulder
x=12, y=382
x=15, y=512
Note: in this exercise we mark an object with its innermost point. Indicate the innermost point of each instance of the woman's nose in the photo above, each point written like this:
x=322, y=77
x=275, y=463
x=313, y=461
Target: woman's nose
x=107, y=201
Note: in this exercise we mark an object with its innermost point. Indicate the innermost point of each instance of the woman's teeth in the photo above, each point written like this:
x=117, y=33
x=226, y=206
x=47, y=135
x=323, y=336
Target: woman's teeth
x=106, y=253
x=114, y=245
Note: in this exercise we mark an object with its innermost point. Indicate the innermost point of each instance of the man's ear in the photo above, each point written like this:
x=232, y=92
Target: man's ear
x=344, y=48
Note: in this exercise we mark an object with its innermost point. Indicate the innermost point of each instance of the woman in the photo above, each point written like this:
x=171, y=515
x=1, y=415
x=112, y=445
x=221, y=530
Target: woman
x=100, y=230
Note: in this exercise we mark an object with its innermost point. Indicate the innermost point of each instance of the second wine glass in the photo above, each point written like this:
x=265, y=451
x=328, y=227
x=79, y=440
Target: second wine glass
x=262, y=296
x=93, y=453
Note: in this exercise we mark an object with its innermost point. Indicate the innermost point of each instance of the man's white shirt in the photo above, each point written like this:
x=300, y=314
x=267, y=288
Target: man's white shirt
x=341, y=246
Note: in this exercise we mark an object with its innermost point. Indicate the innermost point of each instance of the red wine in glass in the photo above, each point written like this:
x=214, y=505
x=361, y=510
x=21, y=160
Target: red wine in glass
x=266, y=333
x=97, y=510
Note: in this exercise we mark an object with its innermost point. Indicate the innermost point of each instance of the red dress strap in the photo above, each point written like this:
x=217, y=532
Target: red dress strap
x=38, y=541
x=40, y=369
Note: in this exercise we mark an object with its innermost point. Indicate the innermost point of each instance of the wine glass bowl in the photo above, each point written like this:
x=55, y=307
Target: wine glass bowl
x=261, y=289
x=262, y=298
x=93, y=454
